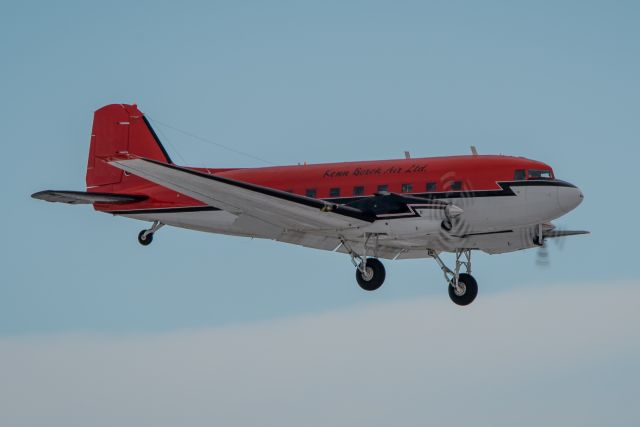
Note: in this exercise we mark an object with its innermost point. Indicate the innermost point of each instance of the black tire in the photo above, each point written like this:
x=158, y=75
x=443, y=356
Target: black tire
x=377, y=279
x=145, y=240
x=446, y=224
x=471, y=290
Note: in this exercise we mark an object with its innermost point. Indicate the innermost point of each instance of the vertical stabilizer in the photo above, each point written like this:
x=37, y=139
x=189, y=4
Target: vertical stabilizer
x=120, y=129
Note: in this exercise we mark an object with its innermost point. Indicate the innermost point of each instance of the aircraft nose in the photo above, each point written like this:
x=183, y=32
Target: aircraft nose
x=569, y=198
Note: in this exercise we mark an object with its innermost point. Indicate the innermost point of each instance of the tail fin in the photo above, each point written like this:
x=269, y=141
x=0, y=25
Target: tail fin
x=120, y=129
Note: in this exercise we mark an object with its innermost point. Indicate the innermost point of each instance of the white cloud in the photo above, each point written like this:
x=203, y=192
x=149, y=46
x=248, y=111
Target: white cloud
x=563, y=355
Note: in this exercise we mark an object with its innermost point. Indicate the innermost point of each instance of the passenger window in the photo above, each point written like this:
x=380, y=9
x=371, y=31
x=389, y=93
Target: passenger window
x=310, y=192
x=334, y=192
x=520, y=175
x=539, y=174
x=456, y=186
x=406, y=188
x=431, y=186
x=358, y=190
x=383, y=187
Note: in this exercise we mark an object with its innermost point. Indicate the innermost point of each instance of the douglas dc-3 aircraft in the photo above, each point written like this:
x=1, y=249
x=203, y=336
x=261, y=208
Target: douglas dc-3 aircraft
x=391, y=209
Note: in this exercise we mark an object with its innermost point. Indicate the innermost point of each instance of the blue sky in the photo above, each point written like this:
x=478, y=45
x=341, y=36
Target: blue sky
x=317, y=82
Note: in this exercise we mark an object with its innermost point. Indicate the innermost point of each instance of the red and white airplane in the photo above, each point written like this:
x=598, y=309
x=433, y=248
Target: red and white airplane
x=391, y=209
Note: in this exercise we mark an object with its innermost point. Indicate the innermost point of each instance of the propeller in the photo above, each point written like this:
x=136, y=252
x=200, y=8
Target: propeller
x=455, y=224
x=542, y=255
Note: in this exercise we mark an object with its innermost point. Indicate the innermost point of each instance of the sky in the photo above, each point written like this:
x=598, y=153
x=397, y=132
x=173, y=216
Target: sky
x=200, y=328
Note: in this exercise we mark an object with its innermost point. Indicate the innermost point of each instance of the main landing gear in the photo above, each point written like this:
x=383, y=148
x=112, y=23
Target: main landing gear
x=370, y=272
x=145, y=237
x=463, y=288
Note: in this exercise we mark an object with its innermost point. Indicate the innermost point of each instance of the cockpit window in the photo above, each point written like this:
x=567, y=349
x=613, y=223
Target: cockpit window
x=520, y=175
x=540, y=174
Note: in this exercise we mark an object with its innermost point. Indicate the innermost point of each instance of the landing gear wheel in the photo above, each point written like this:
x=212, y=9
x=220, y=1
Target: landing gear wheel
x=446, y=224
x=373, y=277
x=145, y=240
x=466, y=292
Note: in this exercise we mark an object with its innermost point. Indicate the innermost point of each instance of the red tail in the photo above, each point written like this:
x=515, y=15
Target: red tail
x=120, y=129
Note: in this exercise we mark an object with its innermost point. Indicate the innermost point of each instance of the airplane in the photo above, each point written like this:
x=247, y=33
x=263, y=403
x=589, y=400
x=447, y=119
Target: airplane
x=370, y=210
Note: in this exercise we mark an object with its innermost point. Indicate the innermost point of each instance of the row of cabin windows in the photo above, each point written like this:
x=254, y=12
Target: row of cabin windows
x=520, y=175
x=405, y=188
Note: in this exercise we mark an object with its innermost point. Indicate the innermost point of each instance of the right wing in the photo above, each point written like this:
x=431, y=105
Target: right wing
x=278, y=208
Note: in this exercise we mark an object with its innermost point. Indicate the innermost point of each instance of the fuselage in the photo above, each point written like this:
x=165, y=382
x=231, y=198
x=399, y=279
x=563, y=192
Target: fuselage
x=494, y=193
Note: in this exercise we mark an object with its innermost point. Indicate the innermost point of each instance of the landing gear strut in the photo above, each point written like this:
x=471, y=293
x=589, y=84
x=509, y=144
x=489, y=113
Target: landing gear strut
x=463, y=288
x=145, y=237
x=370, y=272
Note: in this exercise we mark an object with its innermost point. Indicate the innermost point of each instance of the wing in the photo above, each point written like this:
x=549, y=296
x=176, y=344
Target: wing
x=248, y=201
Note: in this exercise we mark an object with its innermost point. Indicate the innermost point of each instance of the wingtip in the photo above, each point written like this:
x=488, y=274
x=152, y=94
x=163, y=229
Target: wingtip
x=39, y=195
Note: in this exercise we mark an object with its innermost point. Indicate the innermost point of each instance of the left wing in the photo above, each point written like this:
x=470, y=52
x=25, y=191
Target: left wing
x=275, y=207
x=563, y=233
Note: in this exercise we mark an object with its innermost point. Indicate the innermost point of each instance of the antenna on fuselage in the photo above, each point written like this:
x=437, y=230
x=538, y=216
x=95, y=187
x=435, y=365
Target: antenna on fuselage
x=407, y=155
x=473, y=150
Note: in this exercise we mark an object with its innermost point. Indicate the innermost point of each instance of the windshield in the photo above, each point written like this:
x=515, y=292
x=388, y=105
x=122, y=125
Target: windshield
x=540, y=174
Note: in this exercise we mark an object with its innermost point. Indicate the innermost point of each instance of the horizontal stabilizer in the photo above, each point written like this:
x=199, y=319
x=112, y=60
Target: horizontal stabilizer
x=85, y=198
x=563, y=233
